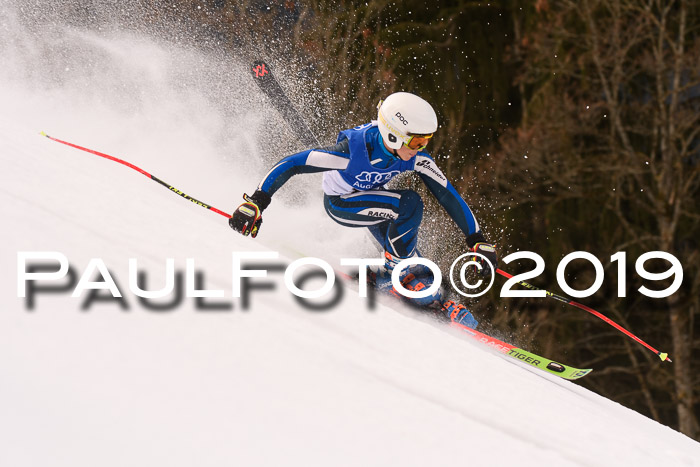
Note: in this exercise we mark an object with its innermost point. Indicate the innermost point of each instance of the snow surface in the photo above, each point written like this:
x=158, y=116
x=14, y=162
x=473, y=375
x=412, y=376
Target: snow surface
x=275, y=385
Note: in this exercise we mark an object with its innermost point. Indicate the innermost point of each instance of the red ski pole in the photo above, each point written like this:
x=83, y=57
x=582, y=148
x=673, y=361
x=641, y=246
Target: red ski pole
x=662, y=355
x=138, y=169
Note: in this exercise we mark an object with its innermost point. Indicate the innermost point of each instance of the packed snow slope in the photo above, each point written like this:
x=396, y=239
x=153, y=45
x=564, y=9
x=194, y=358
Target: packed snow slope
x=274, y=385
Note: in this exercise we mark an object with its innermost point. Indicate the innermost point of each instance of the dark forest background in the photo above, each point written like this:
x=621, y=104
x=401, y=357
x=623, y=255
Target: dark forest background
x=566, y=125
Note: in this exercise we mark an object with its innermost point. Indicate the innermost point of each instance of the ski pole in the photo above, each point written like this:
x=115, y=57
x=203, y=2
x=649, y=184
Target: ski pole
x=138, y=169
x=662, y=355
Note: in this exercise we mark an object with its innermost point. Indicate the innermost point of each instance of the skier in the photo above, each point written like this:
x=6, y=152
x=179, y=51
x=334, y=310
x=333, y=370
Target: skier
x=356, y=169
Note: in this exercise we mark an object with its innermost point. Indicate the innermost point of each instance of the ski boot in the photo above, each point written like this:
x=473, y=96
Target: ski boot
x=457, y=313
x=414, y=278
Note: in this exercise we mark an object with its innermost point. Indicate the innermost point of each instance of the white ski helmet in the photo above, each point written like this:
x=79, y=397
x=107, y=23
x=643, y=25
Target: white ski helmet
x=402, y=115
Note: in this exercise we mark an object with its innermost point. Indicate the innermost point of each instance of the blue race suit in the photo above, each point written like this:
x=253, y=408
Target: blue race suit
x=356, y=169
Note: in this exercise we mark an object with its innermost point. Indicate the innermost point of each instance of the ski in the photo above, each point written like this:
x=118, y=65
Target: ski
x=542, y=363
x=262, y=74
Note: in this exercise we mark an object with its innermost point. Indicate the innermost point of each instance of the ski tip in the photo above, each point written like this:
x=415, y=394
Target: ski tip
x=664, y=357
x=260, y=70
x=43, y=134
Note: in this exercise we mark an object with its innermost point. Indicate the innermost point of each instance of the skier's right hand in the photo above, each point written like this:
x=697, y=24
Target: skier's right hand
x=247, y=218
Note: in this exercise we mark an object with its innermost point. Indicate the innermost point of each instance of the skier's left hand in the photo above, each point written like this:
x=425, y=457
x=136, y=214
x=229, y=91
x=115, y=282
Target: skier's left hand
x=489, y=251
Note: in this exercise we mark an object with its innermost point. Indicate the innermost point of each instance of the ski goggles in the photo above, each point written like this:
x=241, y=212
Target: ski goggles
x=418, y=142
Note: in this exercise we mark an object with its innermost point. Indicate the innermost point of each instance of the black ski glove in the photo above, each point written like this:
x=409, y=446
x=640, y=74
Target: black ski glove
x=489, y=251
x=247, y=218
x=480, y=245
